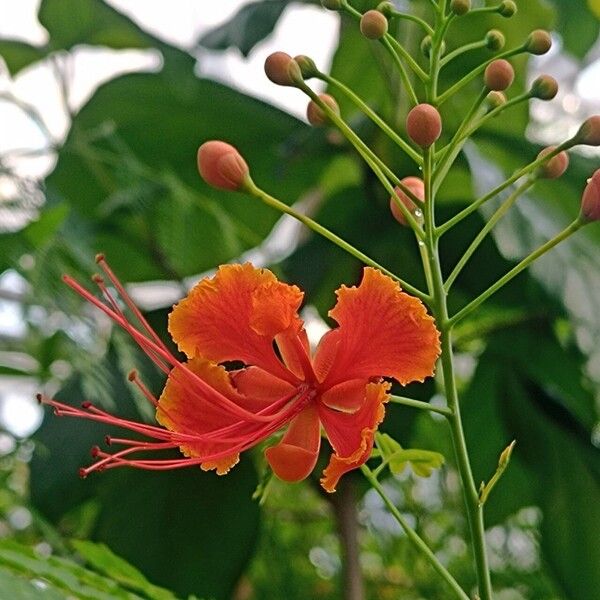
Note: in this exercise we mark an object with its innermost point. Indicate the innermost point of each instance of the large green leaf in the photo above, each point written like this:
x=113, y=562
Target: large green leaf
x=17, y=54
x=577, y=24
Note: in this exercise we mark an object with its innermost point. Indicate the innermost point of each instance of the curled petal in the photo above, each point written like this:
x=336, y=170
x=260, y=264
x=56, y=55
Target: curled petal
x=295, y=456
x=351, y=435
x=235, y=315
x=255, y=383
x=347, y=397
x=382, y=332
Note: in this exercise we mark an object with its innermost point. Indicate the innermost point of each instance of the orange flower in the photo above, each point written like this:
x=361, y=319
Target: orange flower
x=246, y=315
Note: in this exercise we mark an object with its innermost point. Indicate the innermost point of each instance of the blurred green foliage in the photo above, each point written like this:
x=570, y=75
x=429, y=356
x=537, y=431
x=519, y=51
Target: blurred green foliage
x=125, y=183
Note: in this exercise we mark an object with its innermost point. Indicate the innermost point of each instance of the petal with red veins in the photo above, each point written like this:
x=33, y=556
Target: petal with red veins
x=382, y=332
x=352, y=435
x=295, y=456
x=236, y=315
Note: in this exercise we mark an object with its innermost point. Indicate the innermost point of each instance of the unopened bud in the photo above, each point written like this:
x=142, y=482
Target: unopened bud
x=590, y=201
x=417, y=187
x=507, y=8
x=307, y=65
x=495, y=100
x=494, y=40
x=316, y=115
x=331, y=4
x=424, y=125
x=373, y=25
x=589, y=132
x=499, y=75
x=460, y=7
x=386, y=9
x=538, y=42
x=544, y=87
x=282, y=69
x=556, y=166
x=426, y=46
x=222, y=166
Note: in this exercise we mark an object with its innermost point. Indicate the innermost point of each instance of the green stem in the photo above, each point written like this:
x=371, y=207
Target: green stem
x=500, y=212
x=514, y=177
x=255, y=191
x=441, y=410
x=410, y=17
x=373, y=116
x=414, y=537
x=403, y=74
x=459, y=51
x=563, y=235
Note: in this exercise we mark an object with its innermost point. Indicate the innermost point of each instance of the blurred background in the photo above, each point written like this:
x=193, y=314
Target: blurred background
x=102, y=108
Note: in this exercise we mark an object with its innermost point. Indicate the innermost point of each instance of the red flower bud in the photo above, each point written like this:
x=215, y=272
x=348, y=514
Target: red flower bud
x=499, y=75
x=507, y=8
x=556, y=166
x=460, y=7
x=417, y=187
x=222, y=166
x=386, y=9
x=315, y=114
x=538, y=42
x=589, y=132
x=544, y=87
x=590, y=201
x=494, y=40
x=282, y=69
x=373, y=25
x=424, y=125
x=495, y=99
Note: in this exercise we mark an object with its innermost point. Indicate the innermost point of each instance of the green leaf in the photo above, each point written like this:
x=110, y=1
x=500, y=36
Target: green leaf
x=27, y=587
x=251, y=24
x=73, y=22
x=578, y=24
x=17, y=54
x=422, y=462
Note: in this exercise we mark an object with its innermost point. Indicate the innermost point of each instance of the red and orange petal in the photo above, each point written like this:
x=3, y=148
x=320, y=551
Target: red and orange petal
x=295, y=456
x=235, y=315
x=352, y=435
x=382, y=332
x=187, y=411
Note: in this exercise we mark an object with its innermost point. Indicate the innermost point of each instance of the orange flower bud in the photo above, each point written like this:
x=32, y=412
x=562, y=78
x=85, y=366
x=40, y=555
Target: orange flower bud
x=507, y=8
x=590, y=201
x=544, y=87
x=556, y=166
x=315, y=114
x=373, y=25
x=282, y=69
x=222, y=166
x=424, y=125
x=386, y=9
x=307, y=65
x=494, y=40
x=499, y=75
x=538, y=42
x=495, y=99
x=589, y=132
x=460, y=7
x=417, y=187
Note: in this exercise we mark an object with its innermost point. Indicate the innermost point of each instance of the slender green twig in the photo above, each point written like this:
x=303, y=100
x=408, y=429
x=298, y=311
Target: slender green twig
x=563, y=235
x=414, y=537
x=403, y=74
x=410, y=17
x=500, y=212
x=441, y=410
x=460, y=51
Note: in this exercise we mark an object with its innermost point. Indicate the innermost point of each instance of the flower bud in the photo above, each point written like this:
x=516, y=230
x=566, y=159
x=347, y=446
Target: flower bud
x=494, y=40
x=544, y=87
x=495, y=100
x=538, y=42
x=426, y=46
x=331, y=4
x=386, y=9
x=282, y=69
x=460, y=7
x=507, y=8
x=316, y=115
x=307, y=65
x=589, y=132
x=556, y=166
x=590, y=201
x=499, y=75
x=417, y=187
x=373, y=25
x=222, y=166
x=424, y=125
